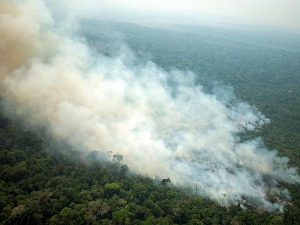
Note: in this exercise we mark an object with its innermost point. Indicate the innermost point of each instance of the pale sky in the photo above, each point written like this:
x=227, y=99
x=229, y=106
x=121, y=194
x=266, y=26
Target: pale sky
x=261, y=12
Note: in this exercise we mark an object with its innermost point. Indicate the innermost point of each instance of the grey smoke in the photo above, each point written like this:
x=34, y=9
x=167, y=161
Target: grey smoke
x=51, y=80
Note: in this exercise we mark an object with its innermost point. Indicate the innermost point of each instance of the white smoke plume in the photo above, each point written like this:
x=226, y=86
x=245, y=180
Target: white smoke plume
x=162, y=124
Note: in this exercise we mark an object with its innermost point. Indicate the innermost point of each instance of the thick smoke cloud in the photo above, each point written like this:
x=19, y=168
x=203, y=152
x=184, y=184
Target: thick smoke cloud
x=161, y=123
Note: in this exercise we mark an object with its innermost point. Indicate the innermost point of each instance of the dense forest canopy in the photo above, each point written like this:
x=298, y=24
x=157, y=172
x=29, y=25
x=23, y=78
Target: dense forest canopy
x=127, y=124
x=40, y=185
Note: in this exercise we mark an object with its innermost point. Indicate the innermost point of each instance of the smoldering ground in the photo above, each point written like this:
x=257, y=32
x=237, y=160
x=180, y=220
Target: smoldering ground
x=160, y=122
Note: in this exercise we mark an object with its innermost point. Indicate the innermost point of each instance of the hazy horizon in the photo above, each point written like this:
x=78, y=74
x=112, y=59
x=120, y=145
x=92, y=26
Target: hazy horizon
x=275, y=13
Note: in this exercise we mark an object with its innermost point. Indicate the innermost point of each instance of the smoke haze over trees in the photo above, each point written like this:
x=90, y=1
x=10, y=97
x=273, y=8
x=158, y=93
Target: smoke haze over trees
x=161, y=122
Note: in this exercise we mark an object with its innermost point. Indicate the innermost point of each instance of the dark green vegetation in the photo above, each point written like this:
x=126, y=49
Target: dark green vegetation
x=40, y=185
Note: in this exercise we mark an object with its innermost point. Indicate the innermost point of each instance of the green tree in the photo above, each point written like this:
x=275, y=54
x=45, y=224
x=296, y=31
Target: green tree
x=111, y=189
x=120, y=216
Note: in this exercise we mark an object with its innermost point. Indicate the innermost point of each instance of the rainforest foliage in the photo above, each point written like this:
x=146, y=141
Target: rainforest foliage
x=42, y=183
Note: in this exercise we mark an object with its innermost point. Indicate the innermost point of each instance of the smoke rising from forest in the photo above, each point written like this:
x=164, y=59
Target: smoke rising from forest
x=160, y=122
